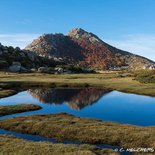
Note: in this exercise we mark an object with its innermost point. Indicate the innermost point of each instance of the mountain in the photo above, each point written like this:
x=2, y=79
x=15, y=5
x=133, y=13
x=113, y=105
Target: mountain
x=56, y=46
x=85, y=49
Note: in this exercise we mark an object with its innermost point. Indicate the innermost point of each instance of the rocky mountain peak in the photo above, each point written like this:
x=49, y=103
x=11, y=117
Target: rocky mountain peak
x=86, y=50
x=47, y=43
x=79, y=33
x=51, y=35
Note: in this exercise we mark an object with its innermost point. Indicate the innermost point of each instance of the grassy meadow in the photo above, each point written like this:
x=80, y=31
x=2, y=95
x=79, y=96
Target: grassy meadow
x=84, y=130
x=13, y=146
x=68, y=127
x=124, y=82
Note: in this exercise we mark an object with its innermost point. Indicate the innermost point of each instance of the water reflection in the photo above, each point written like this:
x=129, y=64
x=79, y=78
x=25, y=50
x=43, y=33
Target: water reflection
x=91, y=103
x=76, y=98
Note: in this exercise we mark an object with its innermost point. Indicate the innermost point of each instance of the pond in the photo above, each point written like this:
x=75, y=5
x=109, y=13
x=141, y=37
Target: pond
x=100, y=104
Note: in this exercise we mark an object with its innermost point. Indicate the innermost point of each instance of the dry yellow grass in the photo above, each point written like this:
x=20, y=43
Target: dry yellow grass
x=116, y=81
x=68, y=127
x=13, y=146
x=12, y=109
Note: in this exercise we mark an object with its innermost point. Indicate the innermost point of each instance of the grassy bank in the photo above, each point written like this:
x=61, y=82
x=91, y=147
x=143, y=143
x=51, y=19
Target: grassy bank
x=68, y=127
x=12, y=109
x=117, y=81
x=145, y=76
x=7, y=92
x=13, y=146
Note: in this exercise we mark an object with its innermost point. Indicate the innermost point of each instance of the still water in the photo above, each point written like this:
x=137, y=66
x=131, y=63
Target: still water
x=90, y=102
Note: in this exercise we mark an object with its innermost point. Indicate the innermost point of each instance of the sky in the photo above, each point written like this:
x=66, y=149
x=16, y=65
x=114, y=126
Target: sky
x=125, y=24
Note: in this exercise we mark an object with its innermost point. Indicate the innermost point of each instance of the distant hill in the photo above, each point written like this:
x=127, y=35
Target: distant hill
x=16, y=60
x=84, y=49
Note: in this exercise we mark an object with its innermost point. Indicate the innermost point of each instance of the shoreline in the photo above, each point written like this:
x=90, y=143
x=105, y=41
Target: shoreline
x=16, y=82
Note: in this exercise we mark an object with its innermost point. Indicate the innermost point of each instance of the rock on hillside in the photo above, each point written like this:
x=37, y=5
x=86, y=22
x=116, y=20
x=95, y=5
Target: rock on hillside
x=15, y=59
x=56, y=46
x=100, y=54
x=85, y=49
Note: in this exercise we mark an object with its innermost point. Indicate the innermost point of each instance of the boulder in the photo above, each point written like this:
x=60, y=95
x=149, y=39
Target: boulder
x=1, y=52
x=16, y=63
x=59, y=70
x=23, y=69
x=31, y=55
x=22, y=54
x=33, y=69
x=17, y=49
x=42, y=69
x=5, y=51
x=14, y=68
x=3, y=64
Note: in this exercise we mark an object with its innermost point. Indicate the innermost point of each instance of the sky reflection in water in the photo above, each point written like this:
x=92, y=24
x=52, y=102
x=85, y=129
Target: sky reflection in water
x=90, y=102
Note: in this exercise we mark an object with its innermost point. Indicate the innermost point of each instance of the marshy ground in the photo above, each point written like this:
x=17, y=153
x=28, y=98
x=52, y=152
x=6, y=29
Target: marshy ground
x=12, y=109
x=121, y=81
x=68, y=127
x=14, y=146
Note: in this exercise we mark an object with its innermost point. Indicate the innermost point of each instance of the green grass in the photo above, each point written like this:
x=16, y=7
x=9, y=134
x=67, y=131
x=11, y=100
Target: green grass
x=116, y=81
x=12, y=146
x=12, y=109
x=68, y=127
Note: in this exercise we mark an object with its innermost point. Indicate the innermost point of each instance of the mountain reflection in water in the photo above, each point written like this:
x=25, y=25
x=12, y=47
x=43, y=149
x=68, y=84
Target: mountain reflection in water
x=90, y=103
x=75, y=98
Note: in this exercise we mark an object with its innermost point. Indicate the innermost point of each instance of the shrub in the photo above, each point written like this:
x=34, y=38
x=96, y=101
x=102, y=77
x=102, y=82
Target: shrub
x=145, y=76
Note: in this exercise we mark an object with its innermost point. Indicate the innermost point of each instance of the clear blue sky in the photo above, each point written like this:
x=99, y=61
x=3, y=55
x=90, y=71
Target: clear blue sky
x=127, y=24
